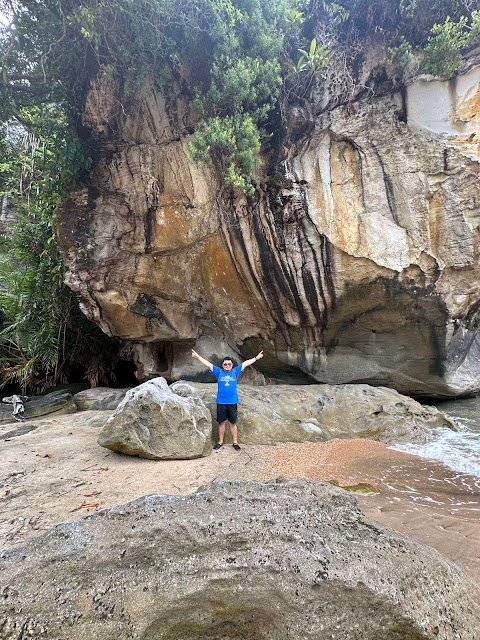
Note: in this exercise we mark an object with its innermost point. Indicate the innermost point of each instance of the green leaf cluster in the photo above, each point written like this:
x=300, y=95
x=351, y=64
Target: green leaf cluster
x=244, y=86
x=229, y=51
x=440, y=29
x=233, y=142
x=443, y=51
x=402, y=53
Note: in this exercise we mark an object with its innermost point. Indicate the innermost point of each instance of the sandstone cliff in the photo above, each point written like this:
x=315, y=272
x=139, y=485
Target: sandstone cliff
x=355, y=261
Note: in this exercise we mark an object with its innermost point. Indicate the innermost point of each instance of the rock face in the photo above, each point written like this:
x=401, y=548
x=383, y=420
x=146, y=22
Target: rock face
x=357, y=260
x=278, y=561
x=99, y=398
x=153, y=422
x=313, y=413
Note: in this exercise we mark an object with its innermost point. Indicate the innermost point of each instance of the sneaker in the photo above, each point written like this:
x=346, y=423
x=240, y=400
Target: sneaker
x=218, y=445
x=237, y=447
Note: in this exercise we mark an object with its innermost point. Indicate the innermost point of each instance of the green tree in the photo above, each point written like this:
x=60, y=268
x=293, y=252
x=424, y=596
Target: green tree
x=44, y=337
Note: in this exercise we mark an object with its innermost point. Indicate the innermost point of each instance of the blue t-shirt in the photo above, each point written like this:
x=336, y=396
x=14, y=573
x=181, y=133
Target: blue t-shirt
x=227, y=384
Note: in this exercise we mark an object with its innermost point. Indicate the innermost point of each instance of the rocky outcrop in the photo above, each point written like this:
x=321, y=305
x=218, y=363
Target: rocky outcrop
x=54, y=402
x=153, y=422
x=313, y=413
x=357, y=259
x=285, y=560
x=99, y=399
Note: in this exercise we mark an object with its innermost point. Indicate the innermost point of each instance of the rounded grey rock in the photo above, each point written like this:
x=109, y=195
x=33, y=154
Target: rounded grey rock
x=287, y=560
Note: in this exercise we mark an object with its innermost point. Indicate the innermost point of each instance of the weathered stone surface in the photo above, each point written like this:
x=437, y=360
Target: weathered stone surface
x=448, y=109
x=356, y=261
x=57, y=401
x=282, y=561
x=153, y=422
x=312, y=413
x=100, y=398
x=6, y=413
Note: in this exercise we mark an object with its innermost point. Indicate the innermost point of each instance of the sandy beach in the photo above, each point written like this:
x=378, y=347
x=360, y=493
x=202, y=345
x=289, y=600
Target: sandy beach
x=57, y=473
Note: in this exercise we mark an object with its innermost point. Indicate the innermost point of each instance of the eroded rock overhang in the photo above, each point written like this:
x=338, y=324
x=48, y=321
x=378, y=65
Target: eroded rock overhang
x=355, y=261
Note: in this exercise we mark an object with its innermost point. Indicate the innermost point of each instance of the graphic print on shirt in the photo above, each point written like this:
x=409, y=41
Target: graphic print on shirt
x=227, y=384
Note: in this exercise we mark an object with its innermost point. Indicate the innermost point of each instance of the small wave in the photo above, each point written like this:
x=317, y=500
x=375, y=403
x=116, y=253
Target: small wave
x=457, y=450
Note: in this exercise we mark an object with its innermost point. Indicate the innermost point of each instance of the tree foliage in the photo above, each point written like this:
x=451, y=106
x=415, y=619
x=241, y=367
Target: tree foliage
x=243, y=85
x=44, y=337
x=443, y=51
x=233, y=56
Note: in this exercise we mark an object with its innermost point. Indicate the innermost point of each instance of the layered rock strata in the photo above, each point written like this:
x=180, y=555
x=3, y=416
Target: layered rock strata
x=280, y=561
x=355, y=261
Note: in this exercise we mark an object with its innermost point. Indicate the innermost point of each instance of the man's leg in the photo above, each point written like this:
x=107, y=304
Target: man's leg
x=232, y=421
x=234, y=432
x=221, y=419
x=221, y=431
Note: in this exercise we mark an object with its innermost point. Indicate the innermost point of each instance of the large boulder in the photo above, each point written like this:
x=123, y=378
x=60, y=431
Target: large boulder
x=282, y=561
x=300, y=413
x=154, y=422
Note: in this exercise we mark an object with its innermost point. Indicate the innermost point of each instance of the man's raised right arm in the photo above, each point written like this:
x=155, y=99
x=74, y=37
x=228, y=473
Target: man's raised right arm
x=206, y=363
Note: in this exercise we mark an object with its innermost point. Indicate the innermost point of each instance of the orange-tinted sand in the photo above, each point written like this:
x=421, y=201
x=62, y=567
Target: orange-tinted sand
x=417, y=497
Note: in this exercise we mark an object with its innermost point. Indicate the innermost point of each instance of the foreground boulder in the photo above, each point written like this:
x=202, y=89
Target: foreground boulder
x=153, y=422
x=285, y=560
x=302, y=413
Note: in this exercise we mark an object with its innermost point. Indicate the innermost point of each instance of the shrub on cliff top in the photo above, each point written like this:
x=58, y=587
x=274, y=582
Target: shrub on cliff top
x=443, y=51
x=228, y=55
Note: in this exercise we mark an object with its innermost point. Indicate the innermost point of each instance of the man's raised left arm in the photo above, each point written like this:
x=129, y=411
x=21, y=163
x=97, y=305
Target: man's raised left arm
x=247, y=363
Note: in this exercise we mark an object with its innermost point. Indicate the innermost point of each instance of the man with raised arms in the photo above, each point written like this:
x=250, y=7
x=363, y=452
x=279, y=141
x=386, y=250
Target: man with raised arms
x=227, y=395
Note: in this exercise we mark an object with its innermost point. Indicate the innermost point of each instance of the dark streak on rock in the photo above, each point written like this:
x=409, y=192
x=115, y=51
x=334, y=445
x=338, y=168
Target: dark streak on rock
x=145, y=305
x=128, y=166
x=403, y=114
x=322, y=278
x=388, y=187
x=272, y=271
x=239, y=240
x=149, y=226
x=324, y=274
x=327, y=262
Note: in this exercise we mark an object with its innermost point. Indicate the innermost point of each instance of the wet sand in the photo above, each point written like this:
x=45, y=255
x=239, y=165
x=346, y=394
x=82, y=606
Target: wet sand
x=58, y=473
x=420, y=498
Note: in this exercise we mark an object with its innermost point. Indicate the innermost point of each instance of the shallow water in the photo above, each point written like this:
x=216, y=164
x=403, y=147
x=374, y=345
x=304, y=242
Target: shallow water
x=459, y=451
x=467, y=410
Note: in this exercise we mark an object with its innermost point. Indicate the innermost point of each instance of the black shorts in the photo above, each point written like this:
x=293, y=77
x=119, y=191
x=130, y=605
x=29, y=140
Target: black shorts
x=227, y=412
